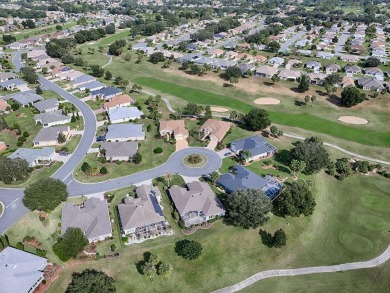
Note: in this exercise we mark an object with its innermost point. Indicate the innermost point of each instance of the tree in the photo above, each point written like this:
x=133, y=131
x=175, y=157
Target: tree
x=297, y=166
x=58, y=28
x=108, y=75
x=279, y=239
x=91, y=281
x=188, y=249
x=97, y=71
x=149, y=269
x=372, y=62
x=313, y=98
x=45, y=70
x=185, y=66
x=78, y=61
x=273, y=130
x=71, y=244
x=333, y=79
x=296, y=199
x=85, y=166
x=307, y=99
x=195, y=69
x=248, y=208
x=157, y=57
x=330, y=89
x=110, y=29
x=137, y=158
x=312, y=152
x=103, y=170
x=61, y=137
x=45, y=194
x=257, y=119
x=207, y=112
x=164, y=269
x=8, y=39
x=275, y=78
x=214, y=177
x=192, y=109
x=233, y=71
x=13, y=169
x=67, y=59
x=29, y=75
x=233, y=80
x=273, y=47
x=38, y=90
x=304, y=83
x=351, y=96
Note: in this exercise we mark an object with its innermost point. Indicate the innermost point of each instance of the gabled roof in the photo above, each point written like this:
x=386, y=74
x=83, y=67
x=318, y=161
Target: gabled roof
x=92, y=85
x=92, y=217
x=287, y=73
x=216, y=128
x=177, y=127
x=51, y=117
x=25, y=99
x=19, y=270
x=108, y=91
x=50, y=133
x=120, y=149
x=82, y=79
x=141, y=211
x=370, y=82
x=118, y=100
x=124, y=113
x=373, y=71
x=197, y=197
x=44, y=105
x=352, y=68
x=116, y=131
x=255, y=144
x=30, y=155
x=267, y=70
x=12, y=82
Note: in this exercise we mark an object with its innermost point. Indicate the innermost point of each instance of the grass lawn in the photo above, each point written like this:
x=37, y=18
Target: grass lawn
x=303, y=120
x=71, y=144
x=335, y=233
x=95, y=105
x=41, y=30
x=51, y=95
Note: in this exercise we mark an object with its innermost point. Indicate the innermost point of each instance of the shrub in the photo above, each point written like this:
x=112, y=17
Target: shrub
x=85, y=166
x=188, y=249
x=102, y=160
x=158, y=150
x=21, y=139
x=103, y=170
x=41, y=252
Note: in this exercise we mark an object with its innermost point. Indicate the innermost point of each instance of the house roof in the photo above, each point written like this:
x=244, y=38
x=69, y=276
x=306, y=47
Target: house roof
x=120, y=149
x=51, y=117
x=124, y=113
x=30, y=155
x=244, y=67
x=25, y=99
x=177, y=127
x=267, y=70
x=92, y=85
x=243, y=179
x=108, y=91
x=116, y=131
x=7, y=75
x=352, y=68
x=50, y=133
x=347, y=81
x=3, y=105
x=370, y=82
x=44, y=105
x=12, y=82
x=288, y=73
x=92, y=217
x=215, y=128
x=373, y=70
x=142, y=210
x=19, y=270
x=333, y=67
x=82, y=79
x=255, y=144
x=118, y=100
x=314, y=63
x=276, y=60
x=198, y=196
x=224, y=63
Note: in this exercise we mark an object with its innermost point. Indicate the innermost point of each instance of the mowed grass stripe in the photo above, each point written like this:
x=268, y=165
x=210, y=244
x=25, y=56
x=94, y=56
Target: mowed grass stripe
x=304, y=121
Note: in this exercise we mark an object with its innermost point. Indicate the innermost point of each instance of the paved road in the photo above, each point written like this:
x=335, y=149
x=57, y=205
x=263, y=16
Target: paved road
x=306, y=271
x=291, y=41
x=108, y=63
x=339, y=48
x=343, y=150
x=174, y=165
x=13, y=207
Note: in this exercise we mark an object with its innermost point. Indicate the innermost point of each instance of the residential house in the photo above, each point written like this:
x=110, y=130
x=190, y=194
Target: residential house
x=196, y=204
x=332, y=68
x=324, y=55
x=349, y=58
x=314, y=65
x=287, y=74
x=375, y=72
x=118, y=101
x=125, y=132
x=256, y=146
x=213, y=129
x=276, y=61
x=292, y=62
x=304, y=52
x=106, y=93
x=266, y=71
x=317, y=78
x=20, y=271
x=34, y=157
x=124, y=114
x=48, y=105
x=142, y=216
x=347, y=81
x=91, y=217
x=49, y=136
x=173, y=129
x=119, y=151
x=231, y=55
x=352, y=69
x=6, y=76
x=81, y=80
x=26, y=100
x=70, y=75
x=379, y=53
x=246, y=67
x=257, y=58
x=223, y=64
x=91, y=86
x=52, y=118
x=242, y=179
x=16, y=46
x=368, y=83
x=4, y=105
x=14, y=84
x=217, y=52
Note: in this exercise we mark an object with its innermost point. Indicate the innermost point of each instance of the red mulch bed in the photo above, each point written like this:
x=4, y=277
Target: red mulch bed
x=50, y=274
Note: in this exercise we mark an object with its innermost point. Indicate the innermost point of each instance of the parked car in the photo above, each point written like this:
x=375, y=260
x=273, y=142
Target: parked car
x=63, y=153
x=101, y=138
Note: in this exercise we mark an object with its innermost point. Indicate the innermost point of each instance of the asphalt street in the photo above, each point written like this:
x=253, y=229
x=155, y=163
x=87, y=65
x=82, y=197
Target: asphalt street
x=291, y=41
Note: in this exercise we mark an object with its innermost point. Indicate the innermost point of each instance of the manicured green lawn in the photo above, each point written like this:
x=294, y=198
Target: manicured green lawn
x=51, y=95
x=19, y=35
x=233, y=254
x=304, y=120
x=72, y=144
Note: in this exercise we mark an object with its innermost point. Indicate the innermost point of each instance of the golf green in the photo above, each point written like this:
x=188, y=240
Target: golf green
x=371, y=222
x=355, y=242
x=376, y=203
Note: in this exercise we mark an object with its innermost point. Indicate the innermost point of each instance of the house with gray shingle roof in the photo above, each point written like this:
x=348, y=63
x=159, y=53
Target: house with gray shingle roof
x=368, y=83
x=124, y=114
x=92, y=217
x=119, y=151
x=266, y=71
x=257, y=146
x=223, y=64
x=106, y=93
x=352, y=69
x=52, y=118
x=91, y=86
x=20, y=271
x=14, y=84
x=49, y=136
x=196, y=204
x=6, y=76
x=81, y=80
x=125, y=132
x=242, y=179
x=34, y=157
x=142, y=215
x=26, y=99
x=47, y=105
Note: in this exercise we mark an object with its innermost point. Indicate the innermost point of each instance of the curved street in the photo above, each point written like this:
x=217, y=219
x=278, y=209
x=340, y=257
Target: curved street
x=385, y=256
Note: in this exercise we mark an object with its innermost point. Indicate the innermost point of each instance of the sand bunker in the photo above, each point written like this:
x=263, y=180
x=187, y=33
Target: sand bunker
x=219, y=109
x=267, y=101
x=353, y=120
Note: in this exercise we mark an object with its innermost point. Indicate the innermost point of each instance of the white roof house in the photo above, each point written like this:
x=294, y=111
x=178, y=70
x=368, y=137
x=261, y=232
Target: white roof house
x=34, y=156
x=20, y=271
x=125, y=132
x=124, y=114
x=52, y=118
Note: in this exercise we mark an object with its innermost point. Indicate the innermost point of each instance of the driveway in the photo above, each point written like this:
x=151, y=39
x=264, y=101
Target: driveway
x=181, y=144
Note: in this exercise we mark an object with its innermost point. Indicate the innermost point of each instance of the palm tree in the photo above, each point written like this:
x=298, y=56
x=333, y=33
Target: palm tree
x=168, y=177
x=244, y=156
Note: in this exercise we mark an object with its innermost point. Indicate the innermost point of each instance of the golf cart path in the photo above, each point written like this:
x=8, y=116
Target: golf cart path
x=108, y=63
x=306, y=271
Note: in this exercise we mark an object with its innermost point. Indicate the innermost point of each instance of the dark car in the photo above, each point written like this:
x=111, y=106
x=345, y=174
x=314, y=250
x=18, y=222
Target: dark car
x=101, y=138
x=63, y=153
